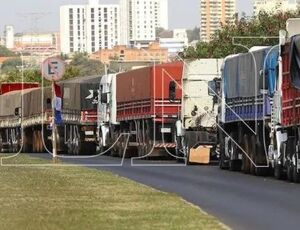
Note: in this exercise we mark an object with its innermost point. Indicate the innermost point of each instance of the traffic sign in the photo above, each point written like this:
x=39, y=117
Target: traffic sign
x=53, y=69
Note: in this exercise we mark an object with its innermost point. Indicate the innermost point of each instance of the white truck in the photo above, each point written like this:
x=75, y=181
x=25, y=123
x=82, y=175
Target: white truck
x=106, y=112
x=196, y=136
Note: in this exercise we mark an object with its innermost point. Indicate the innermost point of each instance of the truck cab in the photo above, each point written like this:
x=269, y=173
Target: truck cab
x=106, y=110
x=196, y=129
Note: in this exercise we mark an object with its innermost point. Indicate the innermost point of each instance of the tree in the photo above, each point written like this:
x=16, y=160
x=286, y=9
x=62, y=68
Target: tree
x=231, y=39
x=81, y=66
x=11, y=64
x=4, y=52
x=71, y=72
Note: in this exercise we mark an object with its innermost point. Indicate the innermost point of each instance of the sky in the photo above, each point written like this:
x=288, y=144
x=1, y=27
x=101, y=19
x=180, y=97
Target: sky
x=43, y=16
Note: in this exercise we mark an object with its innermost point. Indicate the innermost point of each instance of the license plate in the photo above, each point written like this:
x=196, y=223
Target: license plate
x=89, y=133
x=165, y=130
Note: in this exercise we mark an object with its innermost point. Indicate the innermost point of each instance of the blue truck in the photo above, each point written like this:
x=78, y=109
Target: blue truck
x=245, y=109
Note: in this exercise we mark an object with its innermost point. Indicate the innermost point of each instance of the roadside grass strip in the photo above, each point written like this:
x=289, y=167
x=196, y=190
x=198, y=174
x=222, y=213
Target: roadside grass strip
x=81, y=198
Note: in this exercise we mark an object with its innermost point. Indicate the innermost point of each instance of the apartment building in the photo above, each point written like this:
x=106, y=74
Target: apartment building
x=214, y=13
x=275, y=5
x=88, y=28
x=140, y=18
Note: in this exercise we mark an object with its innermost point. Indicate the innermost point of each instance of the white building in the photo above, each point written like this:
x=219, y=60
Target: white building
x=275, y=5
x=140, y=18
x=88, y=28
x=9, y=36
x=176, y=44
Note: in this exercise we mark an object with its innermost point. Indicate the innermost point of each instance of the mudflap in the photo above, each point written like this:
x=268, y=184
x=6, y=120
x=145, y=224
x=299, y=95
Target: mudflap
x=200, y=155
x=200, y=146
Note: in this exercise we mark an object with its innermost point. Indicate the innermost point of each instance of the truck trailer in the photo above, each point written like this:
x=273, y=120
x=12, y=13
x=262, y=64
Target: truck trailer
x=196, y=138
x=284, y=154
x=142, y=105
x=245, y=111
x=26, y=118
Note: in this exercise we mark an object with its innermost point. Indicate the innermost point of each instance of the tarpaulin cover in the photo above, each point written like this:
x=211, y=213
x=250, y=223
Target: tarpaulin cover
x=241, y=74
x=295, y=61
x=271, y=70
x=80, y=93
x=33, y=101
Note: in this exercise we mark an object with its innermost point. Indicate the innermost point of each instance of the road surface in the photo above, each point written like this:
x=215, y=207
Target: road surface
x=239, y=201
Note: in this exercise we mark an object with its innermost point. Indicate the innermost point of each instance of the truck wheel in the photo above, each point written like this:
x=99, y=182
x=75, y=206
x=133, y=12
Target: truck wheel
x=289, y=171
x=296, y=174
x=278, y=171
x=234, y=164
x=1, y=144
x=245, y=160
x=258, y=158
x=253, y=153
x=222, y=163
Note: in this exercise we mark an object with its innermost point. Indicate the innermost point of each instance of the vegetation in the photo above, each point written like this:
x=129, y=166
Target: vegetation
x=80, y=65
x=231, y=38
x=81, y=198
x=4, y=52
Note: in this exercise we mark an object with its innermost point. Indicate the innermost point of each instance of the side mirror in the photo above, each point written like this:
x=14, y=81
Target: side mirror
x=18, y=112
x=105, y=98
x=172, y=91
x=214, y=87
x=48, y=103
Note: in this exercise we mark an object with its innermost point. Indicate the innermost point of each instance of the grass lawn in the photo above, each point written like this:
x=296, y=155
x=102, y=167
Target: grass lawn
x=80, y=198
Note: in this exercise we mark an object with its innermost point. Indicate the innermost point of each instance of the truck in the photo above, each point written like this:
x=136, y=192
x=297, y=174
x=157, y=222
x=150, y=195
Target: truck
x=259, y=109
x=79, y=112
x=141, y=106
x=26, y=118
x=245, y=111
x=283, y=151
x=196, y=130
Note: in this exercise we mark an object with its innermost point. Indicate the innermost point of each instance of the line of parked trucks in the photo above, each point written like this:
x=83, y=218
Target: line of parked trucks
x=243, y=110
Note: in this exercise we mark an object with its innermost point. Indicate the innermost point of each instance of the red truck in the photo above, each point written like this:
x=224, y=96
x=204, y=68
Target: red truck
x=144, y=104
x=15, y=86
x=284, y=150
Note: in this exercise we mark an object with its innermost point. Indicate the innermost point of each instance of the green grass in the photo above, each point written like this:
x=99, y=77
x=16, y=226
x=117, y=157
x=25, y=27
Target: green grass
x=80, y=198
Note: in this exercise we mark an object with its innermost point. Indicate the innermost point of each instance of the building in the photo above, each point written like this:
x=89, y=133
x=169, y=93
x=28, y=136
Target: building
x=38, y=43
x=176, y=43
x=125, y=54
x=275, y=5
x=9, y=36
x=214, y=13
x=141, y=18
x=88, y=28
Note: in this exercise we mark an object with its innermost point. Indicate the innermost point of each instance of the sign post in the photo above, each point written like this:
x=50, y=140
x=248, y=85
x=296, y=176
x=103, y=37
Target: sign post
x=53, y=70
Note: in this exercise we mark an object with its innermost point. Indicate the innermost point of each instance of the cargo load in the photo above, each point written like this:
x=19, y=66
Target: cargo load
x=146, y=92
x=80, y=93
x=242, y=74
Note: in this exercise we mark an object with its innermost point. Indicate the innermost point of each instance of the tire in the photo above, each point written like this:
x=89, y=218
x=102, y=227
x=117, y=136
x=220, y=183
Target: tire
x=234, y=165
x=278, y=171
x=261, y=168
x=296, y=175
x=222, y=163
x=289, y=171
x=253, y=150
x=1, y=144
x=245, y=160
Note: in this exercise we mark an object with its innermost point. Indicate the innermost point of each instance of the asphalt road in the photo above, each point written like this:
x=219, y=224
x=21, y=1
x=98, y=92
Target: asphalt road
x=239, y=201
